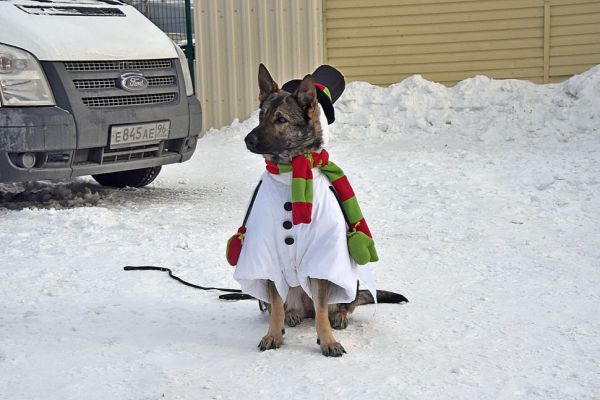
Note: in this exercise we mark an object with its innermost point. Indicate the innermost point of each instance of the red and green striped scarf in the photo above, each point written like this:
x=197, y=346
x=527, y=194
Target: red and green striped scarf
x=360, y=240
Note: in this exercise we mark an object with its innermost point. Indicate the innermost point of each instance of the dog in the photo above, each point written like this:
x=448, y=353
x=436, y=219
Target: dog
x=289, y=125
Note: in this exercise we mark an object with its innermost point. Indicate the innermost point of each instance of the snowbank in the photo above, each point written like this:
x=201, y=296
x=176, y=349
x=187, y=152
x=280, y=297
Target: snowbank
x=478, y=107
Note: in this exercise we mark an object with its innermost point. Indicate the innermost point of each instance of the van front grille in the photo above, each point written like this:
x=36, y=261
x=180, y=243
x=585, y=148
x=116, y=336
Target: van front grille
x=99, y=83
x=95, y=84
x=134, y=100
x=117, y=65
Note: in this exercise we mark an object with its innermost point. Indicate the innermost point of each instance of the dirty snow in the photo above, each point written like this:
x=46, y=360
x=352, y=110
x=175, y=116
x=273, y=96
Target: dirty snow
x=484, y=200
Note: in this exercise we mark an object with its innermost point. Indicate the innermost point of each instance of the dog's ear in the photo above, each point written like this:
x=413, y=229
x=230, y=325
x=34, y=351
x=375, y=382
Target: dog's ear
x=266, y=84
x=306, y=94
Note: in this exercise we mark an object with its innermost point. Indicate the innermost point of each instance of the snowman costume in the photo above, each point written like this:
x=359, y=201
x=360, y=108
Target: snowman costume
x=275, y=249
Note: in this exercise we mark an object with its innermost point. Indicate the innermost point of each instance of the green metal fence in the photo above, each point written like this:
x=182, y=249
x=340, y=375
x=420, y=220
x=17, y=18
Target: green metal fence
x=175, y=18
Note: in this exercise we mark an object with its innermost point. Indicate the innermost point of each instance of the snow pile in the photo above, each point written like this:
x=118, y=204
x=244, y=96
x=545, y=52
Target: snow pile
x=483, y=199
x=478, y=107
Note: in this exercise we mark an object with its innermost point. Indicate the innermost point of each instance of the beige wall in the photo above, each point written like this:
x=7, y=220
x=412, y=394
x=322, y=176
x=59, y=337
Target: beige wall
x=384, y=41
x=234, y=36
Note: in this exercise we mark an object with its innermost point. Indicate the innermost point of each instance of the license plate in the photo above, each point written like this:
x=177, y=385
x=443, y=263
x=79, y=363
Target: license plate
x=126, y=135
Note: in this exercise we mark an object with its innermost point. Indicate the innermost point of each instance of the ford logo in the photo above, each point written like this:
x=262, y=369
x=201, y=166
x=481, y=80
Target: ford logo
x=133, y=81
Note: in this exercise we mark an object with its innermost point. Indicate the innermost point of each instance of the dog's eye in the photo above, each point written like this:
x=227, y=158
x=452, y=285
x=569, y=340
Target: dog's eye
x=281, y=120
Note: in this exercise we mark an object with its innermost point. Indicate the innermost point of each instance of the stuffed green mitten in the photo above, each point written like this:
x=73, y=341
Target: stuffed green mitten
x=361, y=248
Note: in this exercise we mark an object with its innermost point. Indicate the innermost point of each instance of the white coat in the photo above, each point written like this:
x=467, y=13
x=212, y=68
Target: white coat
x=289, y=255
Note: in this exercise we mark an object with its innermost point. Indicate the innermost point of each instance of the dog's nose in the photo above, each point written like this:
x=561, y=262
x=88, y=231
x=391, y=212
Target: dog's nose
x=251, y=140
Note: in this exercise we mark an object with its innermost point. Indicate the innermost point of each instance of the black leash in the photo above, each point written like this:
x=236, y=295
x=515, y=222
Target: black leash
x=234, y=294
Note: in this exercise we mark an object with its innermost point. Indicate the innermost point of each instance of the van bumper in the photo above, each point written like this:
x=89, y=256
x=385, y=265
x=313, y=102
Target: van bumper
x=50, y=133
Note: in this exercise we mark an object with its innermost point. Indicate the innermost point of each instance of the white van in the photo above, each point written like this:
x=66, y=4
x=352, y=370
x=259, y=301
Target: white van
x=91, y=87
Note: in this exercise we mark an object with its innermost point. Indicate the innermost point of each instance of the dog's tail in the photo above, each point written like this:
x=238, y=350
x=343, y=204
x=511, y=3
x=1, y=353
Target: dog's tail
x=383, y=296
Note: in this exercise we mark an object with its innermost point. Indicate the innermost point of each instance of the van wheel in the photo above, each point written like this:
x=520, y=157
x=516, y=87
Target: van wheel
x=133, y=178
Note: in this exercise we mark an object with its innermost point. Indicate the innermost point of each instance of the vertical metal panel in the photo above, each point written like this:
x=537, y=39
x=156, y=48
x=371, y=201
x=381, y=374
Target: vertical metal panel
x=234, y=36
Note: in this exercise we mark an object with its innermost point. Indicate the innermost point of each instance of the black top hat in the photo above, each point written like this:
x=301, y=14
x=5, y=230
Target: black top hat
x=330, y=85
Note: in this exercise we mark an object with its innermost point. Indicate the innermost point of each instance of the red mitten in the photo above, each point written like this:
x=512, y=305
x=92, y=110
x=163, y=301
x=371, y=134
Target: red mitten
x=234, y=246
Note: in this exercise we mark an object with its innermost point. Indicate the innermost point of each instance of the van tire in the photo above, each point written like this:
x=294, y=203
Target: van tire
x=133, y=178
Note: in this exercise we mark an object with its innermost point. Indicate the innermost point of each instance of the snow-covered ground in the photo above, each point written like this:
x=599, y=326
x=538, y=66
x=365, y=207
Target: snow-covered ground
x=484, y=200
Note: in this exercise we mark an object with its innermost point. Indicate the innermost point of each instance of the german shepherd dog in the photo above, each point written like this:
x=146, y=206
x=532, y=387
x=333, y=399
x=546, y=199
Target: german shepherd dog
x=288, y=126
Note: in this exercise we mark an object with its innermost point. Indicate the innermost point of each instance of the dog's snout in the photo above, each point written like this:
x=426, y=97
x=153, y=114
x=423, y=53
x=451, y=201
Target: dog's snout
x=251, y=140
x=260, y=142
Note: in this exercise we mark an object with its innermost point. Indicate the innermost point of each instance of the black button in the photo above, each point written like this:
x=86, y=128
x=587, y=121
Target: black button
x=289, y=241
x=287, y=206
x=288, y=224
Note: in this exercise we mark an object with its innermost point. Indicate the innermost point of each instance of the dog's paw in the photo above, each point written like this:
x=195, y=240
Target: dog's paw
x=338, y=320
x=292, y=318
x=333, y=349
x=270, y=342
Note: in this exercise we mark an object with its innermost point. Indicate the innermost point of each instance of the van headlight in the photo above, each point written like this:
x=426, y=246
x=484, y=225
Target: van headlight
x=22, y=81
x=189, y=85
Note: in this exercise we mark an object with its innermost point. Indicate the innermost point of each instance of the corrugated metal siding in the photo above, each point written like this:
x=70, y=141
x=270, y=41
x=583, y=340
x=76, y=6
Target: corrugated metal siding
x=574, y=37
x=234, y=36
x=384, y=41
